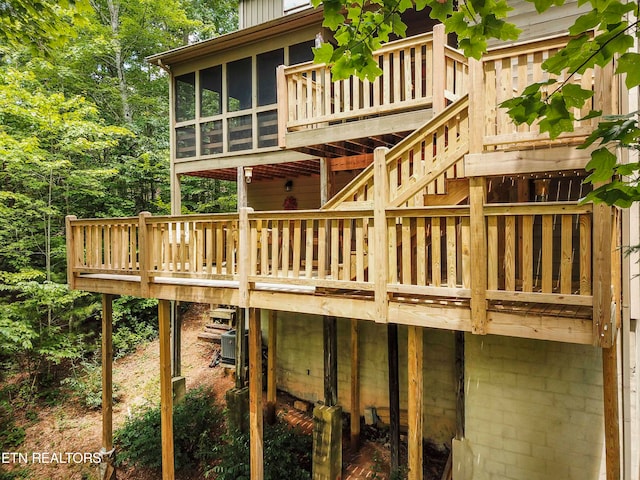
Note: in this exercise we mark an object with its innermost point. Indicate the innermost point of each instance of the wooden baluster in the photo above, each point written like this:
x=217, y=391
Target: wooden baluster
x=346, y=249
x=421, y=252
x=510, y=253
x=452, y=273
x=547, y=253
x=527, y=253
x=566, y=254
x=308, y=254
x=297, y=247
x=585, y=254
x=360, y=246
x=436, y=253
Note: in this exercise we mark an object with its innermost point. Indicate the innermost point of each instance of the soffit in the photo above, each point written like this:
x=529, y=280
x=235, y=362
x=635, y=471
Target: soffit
x=245, y=36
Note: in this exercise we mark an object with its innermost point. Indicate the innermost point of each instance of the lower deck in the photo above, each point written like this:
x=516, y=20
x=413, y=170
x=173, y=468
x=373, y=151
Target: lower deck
x=544, y=321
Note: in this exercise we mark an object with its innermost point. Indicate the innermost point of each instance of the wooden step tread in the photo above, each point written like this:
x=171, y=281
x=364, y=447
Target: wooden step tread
x=210, y=337
x=223, y=313
x=218, y=326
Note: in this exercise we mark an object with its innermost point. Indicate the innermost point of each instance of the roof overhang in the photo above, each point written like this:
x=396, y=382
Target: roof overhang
x=244, y=36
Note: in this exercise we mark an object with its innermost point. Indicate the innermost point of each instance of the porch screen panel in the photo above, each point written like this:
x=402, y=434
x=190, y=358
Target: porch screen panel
x=185, y=91
x=240, y=133
x=211, y=91
x=239, y=81
x=268, y=129
x=266, y=67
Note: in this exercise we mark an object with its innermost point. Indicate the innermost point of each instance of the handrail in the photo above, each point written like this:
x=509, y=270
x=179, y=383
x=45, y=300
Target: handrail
x=534, y=252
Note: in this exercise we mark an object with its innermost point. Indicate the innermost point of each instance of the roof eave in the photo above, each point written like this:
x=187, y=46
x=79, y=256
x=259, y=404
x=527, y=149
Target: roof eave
x=239, y=37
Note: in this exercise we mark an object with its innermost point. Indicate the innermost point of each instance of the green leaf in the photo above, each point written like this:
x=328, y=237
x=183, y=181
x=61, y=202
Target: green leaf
x=323, y=53
x=629, y=64
x=575, y=96
x=585, y=23
x=601, y=165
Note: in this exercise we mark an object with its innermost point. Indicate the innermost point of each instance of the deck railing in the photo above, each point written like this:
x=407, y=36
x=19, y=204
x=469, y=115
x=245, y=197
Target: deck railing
x=416, y=72
x=504, y=72
x=534, y=252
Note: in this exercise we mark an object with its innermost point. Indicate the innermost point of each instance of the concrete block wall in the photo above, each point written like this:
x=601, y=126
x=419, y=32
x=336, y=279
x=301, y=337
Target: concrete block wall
x=534, y=409
x=300, y=368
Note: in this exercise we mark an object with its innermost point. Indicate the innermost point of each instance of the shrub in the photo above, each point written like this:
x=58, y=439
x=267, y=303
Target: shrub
x=86, y=384
x=197, y=426
x=287, y=454
x=135, y=321
x=11, y=435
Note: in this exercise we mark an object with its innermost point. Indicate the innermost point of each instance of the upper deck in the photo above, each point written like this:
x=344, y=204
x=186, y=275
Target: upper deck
x=422, y=236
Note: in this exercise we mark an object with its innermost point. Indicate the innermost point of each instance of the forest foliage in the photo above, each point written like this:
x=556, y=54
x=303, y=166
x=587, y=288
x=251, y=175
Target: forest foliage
x=84, y=131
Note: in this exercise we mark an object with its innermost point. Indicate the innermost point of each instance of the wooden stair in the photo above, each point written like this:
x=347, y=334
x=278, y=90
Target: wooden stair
x=221, y=321
x=440, y=144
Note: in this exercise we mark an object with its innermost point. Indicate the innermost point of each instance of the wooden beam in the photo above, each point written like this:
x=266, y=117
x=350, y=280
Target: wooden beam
x=353, y=162
x=355, y=386
x=380, y=243
x=415, y=353
x=71, y=251
x=394, y=396
x=241, y=371
x=107, y=372
x=255, y=396
x=330, y=338
x=611, y=415
x=603, y=324
x=166, y=390
x=439, y=40
x=478, y=254
x=271, y=367
x=460, y=403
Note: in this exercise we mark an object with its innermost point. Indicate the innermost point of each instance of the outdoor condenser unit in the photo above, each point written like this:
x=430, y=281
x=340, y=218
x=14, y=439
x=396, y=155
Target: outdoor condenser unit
x=228, y=344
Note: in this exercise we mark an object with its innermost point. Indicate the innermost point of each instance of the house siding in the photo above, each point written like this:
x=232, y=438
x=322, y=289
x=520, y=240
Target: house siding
x=534, y=409
x=255, y=12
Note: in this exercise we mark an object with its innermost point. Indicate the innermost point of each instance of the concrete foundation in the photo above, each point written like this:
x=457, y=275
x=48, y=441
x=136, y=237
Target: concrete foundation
x=327, y=443
x=179, y=389
x=238, y=406
x=462, y=468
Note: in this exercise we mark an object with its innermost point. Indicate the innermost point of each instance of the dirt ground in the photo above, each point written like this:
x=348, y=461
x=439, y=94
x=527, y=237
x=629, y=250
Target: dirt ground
x=71, y=428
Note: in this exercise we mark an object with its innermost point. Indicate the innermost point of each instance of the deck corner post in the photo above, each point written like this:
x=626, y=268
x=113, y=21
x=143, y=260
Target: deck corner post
x=256, y=447
x=244, y=257
x=439, y=80
x=478, y=253
x=144, y=253
x=611, y=412
x=107, y=371
x=71, y=251
x=381, y=199
x=166, y=390
x=415, y=401
x=272, y=359
x=476, y=106
x=603, y=323
x=283, y=105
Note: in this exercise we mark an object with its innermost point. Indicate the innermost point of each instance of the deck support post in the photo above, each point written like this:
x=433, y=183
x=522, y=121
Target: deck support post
x=611, y=415
x=107, y=467
x=380, y=243
x=166, y=390
x=478, y=251
x=255, y=395
x=241, y=371
x=439, y=41
x=394, y=395
x=415, y=409
x=271, y=367
x=460, y=397
x=330, y=341
x=355, y=386
x=144, y=253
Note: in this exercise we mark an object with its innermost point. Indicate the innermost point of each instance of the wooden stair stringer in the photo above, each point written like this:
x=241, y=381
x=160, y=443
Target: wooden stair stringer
x=359, y=192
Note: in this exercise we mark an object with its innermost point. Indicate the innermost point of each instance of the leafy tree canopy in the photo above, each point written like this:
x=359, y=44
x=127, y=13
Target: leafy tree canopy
x=361, y=26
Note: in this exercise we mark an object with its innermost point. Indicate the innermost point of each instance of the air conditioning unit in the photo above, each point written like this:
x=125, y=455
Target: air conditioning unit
x=228, y=344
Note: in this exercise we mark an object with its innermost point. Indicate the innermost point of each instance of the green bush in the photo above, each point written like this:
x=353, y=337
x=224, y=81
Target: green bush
x=197, y=426
x=135, y=321
x=287, y=454
x=86, y=384
x=11, y=435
